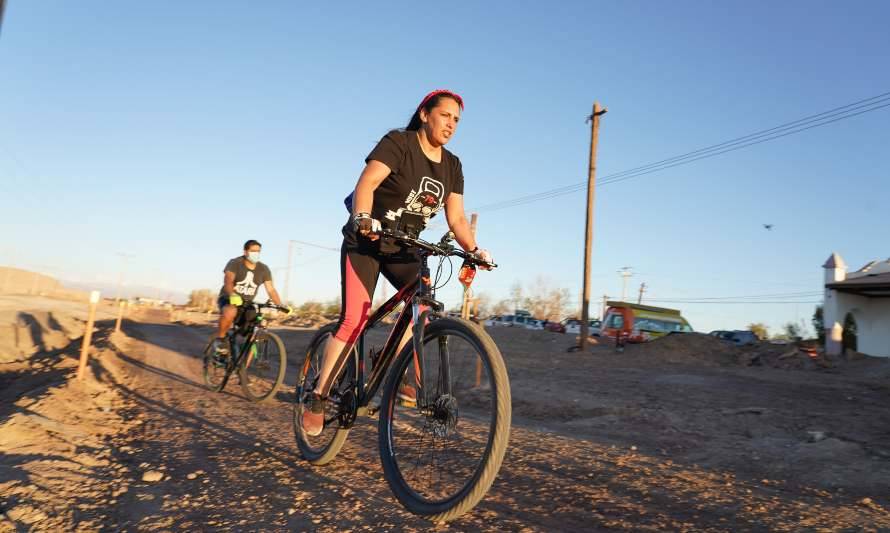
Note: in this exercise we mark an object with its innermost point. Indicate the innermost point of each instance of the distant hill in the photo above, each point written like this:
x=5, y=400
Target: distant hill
x=18, y=281
x=109, y=290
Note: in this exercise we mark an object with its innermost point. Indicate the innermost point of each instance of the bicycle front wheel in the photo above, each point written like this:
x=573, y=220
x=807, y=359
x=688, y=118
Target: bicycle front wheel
x=441, y=456
x=215, y=373
x=263, y=367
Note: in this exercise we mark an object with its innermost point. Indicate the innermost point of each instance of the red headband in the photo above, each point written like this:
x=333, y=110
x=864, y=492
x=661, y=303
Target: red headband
x=457, y=98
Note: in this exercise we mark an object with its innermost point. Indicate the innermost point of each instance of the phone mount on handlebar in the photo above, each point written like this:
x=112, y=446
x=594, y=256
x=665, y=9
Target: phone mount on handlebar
x=411, y=224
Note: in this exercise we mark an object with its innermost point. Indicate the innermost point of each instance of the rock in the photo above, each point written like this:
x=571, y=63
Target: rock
x=816, y=436
x=191, y=476
x=789, y=354
x=291, y=511
x=152, y=476
x=745, y=410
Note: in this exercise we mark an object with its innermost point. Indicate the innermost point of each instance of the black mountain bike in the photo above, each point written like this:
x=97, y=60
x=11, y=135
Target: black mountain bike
x=257, y=354
x=441, y=455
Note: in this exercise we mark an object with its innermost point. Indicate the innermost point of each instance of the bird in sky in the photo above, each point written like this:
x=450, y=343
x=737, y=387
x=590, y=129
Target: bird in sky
x=769, y=227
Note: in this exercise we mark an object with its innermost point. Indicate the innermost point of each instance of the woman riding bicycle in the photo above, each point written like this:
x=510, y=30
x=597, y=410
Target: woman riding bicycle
x=408, y=177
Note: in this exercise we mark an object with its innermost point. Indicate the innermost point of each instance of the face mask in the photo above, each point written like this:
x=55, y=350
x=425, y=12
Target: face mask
x=253, y=257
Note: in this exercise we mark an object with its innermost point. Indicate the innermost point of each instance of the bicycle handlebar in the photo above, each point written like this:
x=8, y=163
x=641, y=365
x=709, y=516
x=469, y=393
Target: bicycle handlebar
x=267, y=305
x=442, y=248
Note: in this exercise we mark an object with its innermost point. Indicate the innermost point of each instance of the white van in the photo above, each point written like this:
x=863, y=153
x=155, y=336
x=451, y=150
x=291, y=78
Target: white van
x=518, y=320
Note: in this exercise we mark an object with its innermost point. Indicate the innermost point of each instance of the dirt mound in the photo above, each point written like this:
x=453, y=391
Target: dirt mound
x=690, y=348
x=783, y=356
x=60, y=467
x=25, y=333
x=701, y=349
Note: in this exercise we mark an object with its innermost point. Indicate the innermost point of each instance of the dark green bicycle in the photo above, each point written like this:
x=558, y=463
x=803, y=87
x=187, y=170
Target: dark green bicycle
x=258, y=355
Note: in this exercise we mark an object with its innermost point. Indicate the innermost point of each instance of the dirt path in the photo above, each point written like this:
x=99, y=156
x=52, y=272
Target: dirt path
x=232, y=465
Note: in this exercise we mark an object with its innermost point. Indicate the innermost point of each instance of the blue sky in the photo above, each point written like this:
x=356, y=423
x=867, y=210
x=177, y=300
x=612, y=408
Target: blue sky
x=175, y=131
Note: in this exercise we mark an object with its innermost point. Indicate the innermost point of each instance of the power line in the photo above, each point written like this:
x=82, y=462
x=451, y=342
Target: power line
x=749, y=302
x=687, y=158
x=807, y=294
x=813, y=121
x=312, y=244
x=796, y=123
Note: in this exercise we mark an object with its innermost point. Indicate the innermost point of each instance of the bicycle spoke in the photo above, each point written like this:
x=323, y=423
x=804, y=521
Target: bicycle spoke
x=262, y=366
x=436, y=457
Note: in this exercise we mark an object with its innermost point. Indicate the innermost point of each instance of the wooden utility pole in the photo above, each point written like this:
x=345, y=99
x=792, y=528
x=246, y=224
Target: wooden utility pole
x=642, y=290
x=290, y=258
x=120, y=316
x=594, y=119
x=625, y=274
x=87, y=335
x=120, y=275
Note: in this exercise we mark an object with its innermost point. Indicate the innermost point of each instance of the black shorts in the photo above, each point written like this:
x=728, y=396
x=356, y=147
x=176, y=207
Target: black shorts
x=361, y=263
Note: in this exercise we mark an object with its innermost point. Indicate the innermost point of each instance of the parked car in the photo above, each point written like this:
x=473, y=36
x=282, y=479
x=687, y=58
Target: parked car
x=494, y=321
x=555, y=327
x=738, y=337
x=534, y=324
x=573, y=327
x=518, y=320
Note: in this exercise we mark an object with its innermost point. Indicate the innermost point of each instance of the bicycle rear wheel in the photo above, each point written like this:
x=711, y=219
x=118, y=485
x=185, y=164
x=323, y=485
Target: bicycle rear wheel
x=441, y=457
x=339, y=409
x=215, y=374
x=263, y=367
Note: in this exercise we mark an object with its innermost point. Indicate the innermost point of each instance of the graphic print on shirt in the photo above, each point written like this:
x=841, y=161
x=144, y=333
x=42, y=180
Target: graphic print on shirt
x=246, y=286
x=425, y=201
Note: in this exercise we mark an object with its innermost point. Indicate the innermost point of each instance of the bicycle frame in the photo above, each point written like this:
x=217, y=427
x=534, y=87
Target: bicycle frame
x=420, y=303
x=250, y=337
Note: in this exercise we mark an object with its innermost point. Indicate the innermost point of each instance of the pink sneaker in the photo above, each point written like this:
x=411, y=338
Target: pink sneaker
x=313, y=416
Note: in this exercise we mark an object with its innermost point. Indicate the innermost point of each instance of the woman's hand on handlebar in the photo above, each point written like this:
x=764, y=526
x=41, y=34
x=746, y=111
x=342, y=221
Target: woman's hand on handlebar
x=367, y=226
x=484, y=256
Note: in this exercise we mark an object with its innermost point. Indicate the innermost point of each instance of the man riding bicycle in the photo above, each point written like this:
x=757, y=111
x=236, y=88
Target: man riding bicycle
x=242, y=277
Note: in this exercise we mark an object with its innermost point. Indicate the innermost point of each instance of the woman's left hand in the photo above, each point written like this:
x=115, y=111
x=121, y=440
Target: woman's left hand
x=484, y=255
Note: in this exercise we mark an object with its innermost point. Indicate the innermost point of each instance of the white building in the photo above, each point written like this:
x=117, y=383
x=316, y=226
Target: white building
x=865, y=295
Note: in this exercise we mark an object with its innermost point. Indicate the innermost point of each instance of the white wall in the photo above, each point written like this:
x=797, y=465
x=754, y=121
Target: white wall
x=874, y=328
x=872, y=322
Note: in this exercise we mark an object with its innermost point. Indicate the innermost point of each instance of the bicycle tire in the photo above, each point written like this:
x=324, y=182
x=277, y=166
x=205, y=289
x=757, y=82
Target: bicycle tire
x=215, y=377
x=491, y=459
x=329, y=446
x=247, y=362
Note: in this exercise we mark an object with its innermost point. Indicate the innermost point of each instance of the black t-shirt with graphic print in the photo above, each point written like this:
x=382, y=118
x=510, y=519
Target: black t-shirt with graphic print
x=246, y=281
x=416, y=184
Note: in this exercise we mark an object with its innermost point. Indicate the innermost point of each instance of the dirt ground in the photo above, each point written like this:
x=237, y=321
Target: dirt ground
x=685, y=433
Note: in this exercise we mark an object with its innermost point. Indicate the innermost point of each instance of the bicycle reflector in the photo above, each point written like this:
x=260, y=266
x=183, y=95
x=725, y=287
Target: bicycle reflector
x=467, y=273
